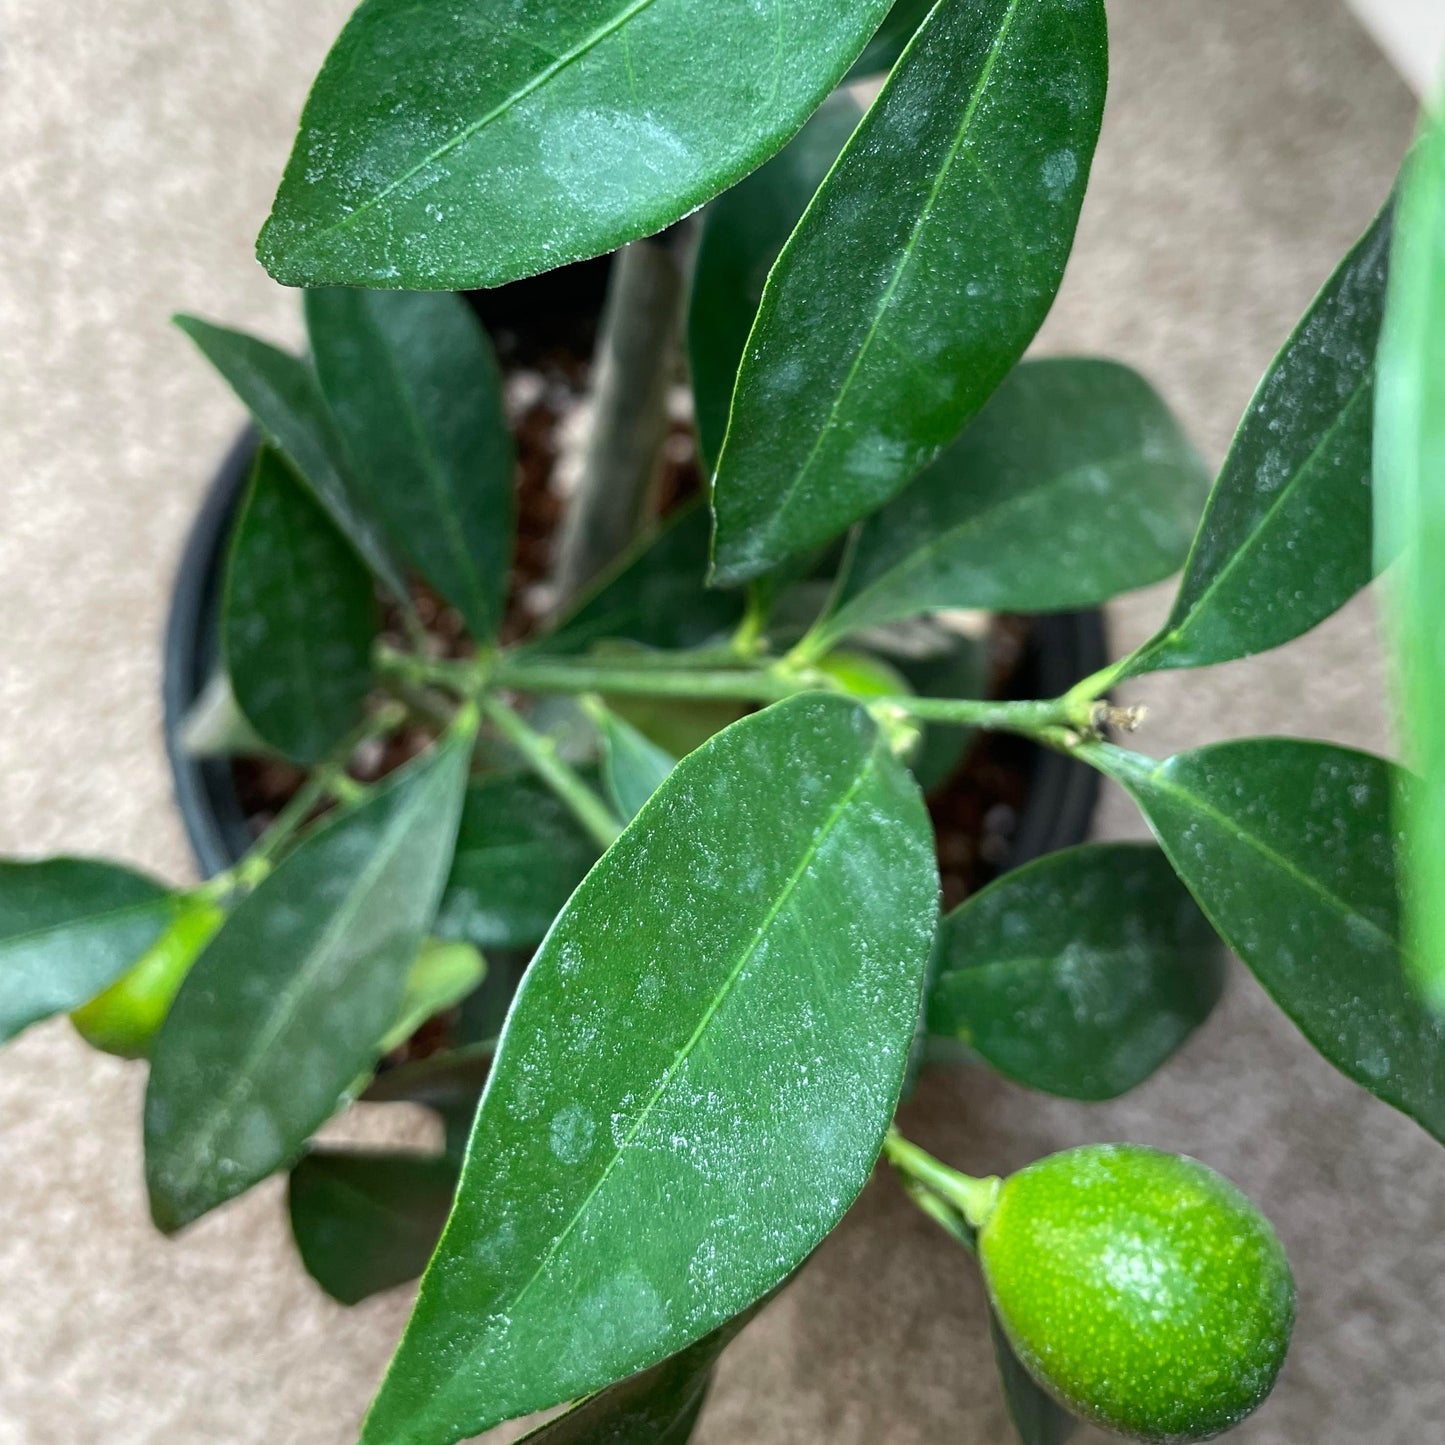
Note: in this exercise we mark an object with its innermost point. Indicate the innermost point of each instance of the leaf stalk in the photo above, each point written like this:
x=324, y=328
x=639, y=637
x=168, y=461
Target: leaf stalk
x=541, y=755
x=973, y=1199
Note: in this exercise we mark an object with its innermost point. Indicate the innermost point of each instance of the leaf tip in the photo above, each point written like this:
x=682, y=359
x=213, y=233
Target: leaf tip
x=166, y=1214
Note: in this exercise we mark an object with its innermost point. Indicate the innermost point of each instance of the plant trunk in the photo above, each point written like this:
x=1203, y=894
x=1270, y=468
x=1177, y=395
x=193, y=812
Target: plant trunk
x=636, y=356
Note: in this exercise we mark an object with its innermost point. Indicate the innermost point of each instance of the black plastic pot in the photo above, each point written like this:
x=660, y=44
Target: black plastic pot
x=1061, y=798
x=205, y=788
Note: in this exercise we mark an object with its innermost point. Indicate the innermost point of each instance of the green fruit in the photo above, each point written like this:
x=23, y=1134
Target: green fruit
x=1141, y=1289
x=124, y=1019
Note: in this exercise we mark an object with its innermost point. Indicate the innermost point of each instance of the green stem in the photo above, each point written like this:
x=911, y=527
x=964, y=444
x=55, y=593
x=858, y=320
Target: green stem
x=942, y=1213
x=465, y=677
x=1043, y=720
x=740, y=684
x=974, y=1199
x=425, y=704
x=750, y=640
x=1033, y=719
x=1083, y=700
x=1058, y=722
x=541, y=754
x=328, y=779
x=825, y=634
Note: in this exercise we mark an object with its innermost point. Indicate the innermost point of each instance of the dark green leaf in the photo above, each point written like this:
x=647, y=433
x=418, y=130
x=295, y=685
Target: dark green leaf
x=1038, y=1420
x=695, y=1078
x=448, y=147
x=1289, y=849
x=655, y=596
x=1079, y=974
x=450, y=1083
x=743, y=231
x=441, y=1082
x=366, y=1222
x=417, y=395
x=288, y=1004
x=633, y=767
x=1074, y=484
x=1410, y=524
x=1285, y=540
x=659, y=1406
x=895, y=32
x=919, y=274
x=442, y=976
x=299, y=618
x=519, y=855
x=69, y=927
x=285, y=401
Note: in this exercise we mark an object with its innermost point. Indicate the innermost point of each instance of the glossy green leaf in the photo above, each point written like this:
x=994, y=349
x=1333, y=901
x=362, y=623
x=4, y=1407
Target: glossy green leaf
x=1410, y=524
x=1289, y=849
x=282, y=394
x=1285, y=539
x=659, y=1406
x=919, y=274
x=1079, y=974
x=891, y=38
x=366, y=1222
x=454, y=146
x=1035, y=1416
x=69, y=927
x=695, y=1078
x=633, y=766
x=299, y=617
x=442, y=976
x=1074, y=484
x=287, y=1005
x=417, y=395
x=519, y=855
x=654, y=596
x=743, y=231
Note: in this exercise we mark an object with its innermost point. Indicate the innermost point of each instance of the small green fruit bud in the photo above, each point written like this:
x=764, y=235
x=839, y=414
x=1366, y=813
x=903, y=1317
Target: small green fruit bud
x=124, y=1019
x=1141, y=1289
x=863, y=675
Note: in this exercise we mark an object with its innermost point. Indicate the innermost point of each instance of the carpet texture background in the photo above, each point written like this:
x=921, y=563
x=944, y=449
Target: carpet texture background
x=1247, y=143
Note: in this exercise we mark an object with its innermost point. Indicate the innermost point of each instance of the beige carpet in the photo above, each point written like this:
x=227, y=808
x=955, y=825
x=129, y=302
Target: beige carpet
x=1247, y=143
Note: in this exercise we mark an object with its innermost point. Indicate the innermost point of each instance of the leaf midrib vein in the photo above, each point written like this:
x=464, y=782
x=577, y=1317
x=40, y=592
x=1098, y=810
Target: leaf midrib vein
x=436, y=476
x=1159, y=780
x=814, y=847
x=284, y=1013
x=468, y=133
x=105, y=916
x=392, y=1214
x=1176, y=629
x=894, y=281
x=1021, y=500
x=303, y=675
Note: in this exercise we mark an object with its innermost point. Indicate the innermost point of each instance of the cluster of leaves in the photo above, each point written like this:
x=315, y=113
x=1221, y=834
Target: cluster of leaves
x=737, y=950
